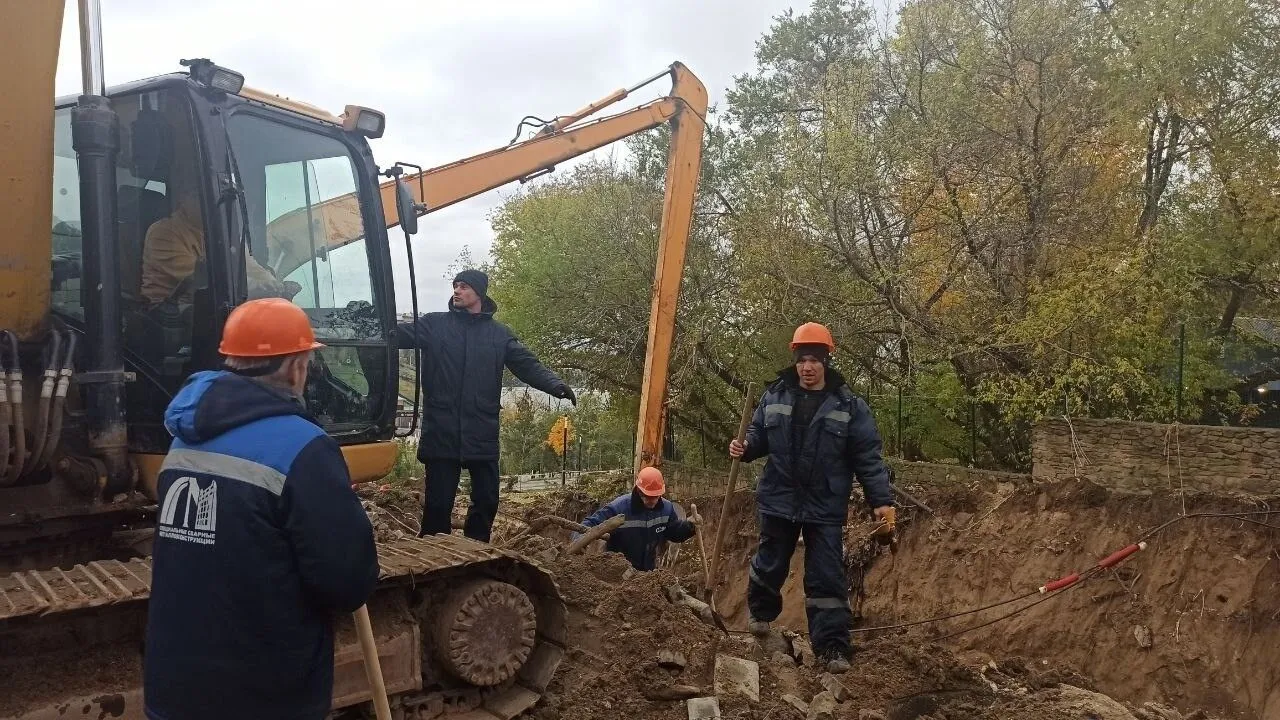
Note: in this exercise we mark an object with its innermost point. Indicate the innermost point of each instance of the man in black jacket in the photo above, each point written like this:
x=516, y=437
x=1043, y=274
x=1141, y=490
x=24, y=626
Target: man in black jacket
x=817, y=435
x=463, y=353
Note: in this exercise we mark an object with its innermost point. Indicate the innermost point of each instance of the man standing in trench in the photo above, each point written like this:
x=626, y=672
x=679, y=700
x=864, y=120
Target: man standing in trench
x=650, y=519
x=817, y=435
x=463, y=353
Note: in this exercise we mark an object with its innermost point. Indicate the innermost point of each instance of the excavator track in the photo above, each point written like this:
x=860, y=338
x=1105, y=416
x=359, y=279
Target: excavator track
x=465, y=631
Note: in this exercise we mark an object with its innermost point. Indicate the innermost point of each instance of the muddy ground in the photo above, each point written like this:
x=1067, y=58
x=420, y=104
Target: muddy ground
x=1185, y=629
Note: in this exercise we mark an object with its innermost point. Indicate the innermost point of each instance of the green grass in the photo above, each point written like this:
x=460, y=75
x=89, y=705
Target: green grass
x=407, y=472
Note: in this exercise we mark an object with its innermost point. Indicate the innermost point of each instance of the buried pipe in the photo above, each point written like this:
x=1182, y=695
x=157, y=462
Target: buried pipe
x=594, y=533
x=540, y=523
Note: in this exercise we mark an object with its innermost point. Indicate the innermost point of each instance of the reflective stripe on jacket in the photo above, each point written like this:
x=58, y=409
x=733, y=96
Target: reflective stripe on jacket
x=841, y=442
x=643, y=529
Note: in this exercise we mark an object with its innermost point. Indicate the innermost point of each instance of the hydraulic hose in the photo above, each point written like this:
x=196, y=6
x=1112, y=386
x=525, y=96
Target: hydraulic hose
x=5, y=411
x=17, y=421
x=40, y=431
x=59, y=399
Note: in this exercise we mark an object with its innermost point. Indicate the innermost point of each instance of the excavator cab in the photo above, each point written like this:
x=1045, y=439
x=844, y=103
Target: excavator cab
x=219, y=199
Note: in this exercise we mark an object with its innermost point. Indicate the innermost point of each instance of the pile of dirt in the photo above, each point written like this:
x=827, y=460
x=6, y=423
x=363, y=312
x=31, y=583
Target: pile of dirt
x=394, y=511
x=620, y=623
x=1208, y=613
x=1182, y=625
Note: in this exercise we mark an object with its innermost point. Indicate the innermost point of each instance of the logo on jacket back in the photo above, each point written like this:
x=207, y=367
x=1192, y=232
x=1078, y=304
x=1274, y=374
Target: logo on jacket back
x=190, y=512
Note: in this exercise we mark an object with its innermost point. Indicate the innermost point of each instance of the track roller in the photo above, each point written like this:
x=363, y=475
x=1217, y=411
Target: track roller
x=485, y=631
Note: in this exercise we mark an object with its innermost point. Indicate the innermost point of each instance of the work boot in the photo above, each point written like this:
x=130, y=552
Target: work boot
x=759, y=628
x=835, y=662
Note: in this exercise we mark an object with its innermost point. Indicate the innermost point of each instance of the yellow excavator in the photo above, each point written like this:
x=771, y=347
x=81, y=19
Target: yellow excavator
x=98, y=329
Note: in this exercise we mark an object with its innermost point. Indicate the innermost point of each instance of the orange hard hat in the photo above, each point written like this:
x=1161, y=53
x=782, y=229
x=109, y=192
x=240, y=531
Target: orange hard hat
x=268, y=327
x=650, y=482
x=813, y=334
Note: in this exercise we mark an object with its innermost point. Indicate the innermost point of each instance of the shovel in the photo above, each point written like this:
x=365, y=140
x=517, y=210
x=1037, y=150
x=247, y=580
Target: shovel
x=706, y=569
x=721, y=524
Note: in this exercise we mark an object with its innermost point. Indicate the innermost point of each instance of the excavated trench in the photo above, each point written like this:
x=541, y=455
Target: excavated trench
x=1187, y=628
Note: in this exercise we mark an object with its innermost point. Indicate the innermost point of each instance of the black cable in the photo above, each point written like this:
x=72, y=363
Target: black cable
x=1083, y=577
x=1236, y=515
x=948, y=617
x=531, y=121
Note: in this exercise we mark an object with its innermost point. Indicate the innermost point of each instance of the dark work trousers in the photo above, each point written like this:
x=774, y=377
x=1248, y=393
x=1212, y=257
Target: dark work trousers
x=826, y=592
x=442, y=488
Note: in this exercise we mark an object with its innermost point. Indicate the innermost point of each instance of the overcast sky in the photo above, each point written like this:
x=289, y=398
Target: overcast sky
x=454, y=78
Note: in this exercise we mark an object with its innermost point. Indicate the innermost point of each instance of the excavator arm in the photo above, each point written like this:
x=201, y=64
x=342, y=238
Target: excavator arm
x=30, y=33
x=568, y=137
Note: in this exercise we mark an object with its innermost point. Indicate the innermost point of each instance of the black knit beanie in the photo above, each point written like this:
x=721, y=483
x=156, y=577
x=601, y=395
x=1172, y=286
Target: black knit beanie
x=476, y=279
x=818, y=351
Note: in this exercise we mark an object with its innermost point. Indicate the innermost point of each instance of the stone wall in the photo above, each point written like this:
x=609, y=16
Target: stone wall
x=1145, y=457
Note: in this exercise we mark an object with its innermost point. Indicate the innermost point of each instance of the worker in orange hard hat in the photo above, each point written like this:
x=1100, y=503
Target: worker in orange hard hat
x=651, y=519
x=817, y=436
x=259, y=539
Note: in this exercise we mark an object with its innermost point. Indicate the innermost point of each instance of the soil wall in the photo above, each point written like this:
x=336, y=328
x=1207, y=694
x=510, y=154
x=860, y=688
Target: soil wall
x=1146, y=457
x=913, y=473
x=1192, y=621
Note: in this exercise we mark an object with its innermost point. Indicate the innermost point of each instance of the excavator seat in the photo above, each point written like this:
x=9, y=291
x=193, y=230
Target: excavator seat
x=137, y=209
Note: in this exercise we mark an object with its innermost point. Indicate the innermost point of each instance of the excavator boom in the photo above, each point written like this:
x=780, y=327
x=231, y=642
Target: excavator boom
x=31, y=34
x=568, y=137
x=449, y=184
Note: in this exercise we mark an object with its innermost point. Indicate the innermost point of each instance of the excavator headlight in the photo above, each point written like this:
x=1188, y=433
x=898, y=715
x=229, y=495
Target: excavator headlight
x=366, y=121
x=213, y=76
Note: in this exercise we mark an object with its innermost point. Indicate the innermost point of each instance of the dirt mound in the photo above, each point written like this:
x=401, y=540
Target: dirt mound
x=1191, y=621
x=394, y=511
x=1180, y=624
x=620, y=622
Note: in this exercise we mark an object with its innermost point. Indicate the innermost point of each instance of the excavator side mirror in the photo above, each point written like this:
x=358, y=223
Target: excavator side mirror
x=406, y=209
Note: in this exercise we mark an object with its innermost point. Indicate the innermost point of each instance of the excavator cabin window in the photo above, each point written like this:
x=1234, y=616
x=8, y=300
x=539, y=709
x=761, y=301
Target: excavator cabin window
x=306, y=242
x=159, y=226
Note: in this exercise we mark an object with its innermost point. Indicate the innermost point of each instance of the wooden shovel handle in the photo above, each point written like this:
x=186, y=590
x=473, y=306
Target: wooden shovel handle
x=721, y=522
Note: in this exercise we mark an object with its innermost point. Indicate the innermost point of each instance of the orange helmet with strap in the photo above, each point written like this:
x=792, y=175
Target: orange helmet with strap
x=812, y=333
x=269, y=327
x=650, y=482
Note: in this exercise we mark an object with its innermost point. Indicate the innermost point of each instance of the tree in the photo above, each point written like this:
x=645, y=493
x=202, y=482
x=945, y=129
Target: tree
x=1004, y=209
x=561, y=435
